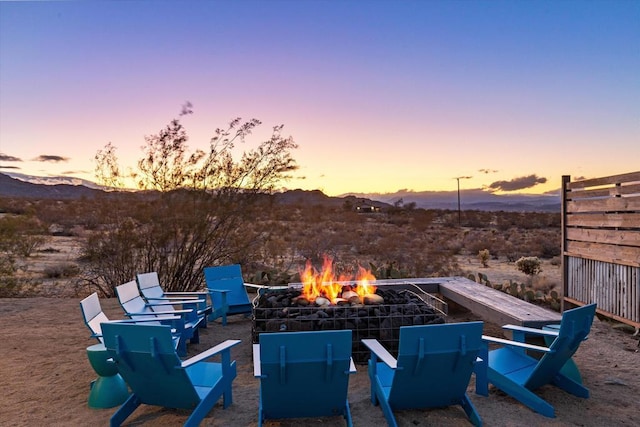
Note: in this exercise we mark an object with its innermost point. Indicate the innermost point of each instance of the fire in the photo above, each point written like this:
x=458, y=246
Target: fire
x=324, y=284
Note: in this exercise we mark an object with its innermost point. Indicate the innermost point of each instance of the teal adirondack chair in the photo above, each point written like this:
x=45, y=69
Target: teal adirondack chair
x=136, y=308
x=146, y=359
x=227, y=289
x=149, y=285
x=303, y=374
x=433, y=369
x=513, y=371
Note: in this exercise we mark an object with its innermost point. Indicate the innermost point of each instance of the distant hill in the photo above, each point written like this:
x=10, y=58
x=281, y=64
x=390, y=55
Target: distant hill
x=11, y=187
x=469, y=199
x=474, y=199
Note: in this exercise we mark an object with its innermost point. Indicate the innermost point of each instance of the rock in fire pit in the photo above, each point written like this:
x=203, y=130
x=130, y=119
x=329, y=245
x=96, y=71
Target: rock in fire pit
x=378, y=315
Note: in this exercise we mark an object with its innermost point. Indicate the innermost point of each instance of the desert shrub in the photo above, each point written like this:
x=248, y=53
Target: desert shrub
x=61, y=271
x=200, y=210
x=20, y=235
x=483, y=257
x=529, y=265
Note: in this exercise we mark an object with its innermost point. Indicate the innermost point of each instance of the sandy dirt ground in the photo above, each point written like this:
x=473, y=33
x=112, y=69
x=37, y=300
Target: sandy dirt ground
x=45, y=377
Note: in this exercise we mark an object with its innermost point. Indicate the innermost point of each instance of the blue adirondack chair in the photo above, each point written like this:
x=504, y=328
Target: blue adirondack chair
x=136, y=308
x=513, y=371
x=146, y=359
x=149, y=285
x=433, y=369
x=94, y=317
x=303, y=374
x=227, y=290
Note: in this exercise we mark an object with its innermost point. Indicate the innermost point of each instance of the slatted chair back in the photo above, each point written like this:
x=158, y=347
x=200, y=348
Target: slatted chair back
x=574, y=329
x=148, y=362
x=304, y=374
x=435, y=363
x=228, y=277
x=131, y=300
x=93, y=315
x=149, y=285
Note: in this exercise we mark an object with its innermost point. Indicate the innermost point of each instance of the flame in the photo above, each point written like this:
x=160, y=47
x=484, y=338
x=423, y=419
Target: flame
x=323, y=284
x=364, y=287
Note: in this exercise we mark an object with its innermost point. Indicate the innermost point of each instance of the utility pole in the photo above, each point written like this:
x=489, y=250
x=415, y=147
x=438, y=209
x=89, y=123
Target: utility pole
x=459, y=210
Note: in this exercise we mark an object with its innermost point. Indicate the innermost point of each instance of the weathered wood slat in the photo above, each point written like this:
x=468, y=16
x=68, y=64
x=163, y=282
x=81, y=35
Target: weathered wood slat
x=614, y=179
x=615, y=191
x=496, y=306
x=621, y=220
x=602, y=264
x=614, y=204
x=625, y=255
x=612, y=237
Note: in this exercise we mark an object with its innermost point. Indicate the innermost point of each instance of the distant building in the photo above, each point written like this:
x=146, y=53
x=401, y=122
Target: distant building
x=365, y=208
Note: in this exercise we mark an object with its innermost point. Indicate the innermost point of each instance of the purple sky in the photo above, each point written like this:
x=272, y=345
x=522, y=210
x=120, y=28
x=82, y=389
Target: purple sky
x=379, y=95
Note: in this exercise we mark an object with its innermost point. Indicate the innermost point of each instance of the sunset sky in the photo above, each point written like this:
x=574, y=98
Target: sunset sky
x=380, y=95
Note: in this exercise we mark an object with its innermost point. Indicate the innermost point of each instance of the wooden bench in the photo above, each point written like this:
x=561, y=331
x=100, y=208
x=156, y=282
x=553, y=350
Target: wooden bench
x=496, y=306
x=490, y=304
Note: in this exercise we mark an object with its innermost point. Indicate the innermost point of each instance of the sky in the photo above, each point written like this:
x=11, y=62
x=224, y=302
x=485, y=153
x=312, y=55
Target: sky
x=380, y=96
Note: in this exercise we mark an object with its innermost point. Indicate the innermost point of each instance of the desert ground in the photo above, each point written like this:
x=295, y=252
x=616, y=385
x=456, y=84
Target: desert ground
x=46, y=375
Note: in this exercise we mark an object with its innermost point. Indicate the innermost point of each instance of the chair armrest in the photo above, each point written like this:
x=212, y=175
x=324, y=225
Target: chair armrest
x=150, y=319
x=515, y=344
x=211, y=352
x=160, y=314
x=171, y=302
x=193, y=294
x=253, y=285
x=534, y=331
x=257, y=370
x=352, y=366
x=171, y=298
x=381, y=352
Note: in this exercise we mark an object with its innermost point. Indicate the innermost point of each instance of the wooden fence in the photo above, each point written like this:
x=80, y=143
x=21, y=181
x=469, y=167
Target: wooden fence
x=601, y=244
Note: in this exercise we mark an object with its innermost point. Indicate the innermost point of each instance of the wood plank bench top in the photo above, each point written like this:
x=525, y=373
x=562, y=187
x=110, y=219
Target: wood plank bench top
x=496, y=306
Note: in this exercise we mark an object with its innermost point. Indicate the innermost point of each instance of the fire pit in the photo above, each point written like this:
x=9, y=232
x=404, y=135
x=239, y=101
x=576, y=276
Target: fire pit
x=319, y=303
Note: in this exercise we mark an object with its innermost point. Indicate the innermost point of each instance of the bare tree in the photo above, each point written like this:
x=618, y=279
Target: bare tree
x=195, y=211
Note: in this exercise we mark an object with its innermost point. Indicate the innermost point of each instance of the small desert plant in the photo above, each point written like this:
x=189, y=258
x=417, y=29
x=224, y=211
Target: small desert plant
x=483, y=256
x=529, y=265
x=61, y=271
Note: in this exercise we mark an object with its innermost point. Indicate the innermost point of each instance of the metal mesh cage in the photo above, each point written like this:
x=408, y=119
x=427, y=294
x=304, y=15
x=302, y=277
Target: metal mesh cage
x=381, y=322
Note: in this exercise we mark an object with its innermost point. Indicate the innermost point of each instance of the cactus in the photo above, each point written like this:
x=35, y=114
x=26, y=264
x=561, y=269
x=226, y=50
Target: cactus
x=513, y=289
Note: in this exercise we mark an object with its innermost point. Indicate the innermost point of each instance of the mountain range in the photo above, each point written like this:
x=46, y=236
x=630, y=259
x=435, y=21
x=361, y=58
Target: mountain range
x=64, y=188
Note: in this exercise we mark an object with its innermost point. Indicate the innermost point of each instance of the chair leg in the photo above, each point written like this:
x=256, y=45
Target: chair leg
x=195, y=338
x=260, y=416
x=388, y=413
x=471, y=411
x=347, y=414
x=125, y=410
x=182, y=347
x=524, y=395
x=480, y=369
x=570, y=386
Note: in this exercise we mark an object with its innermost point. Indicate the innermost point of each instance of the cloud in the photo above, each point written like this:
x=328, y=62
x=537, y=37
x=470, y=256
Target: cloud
x=50, y=158
x=517, y=183
x=7, y=158
x=8, y=167
x=487, y=171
